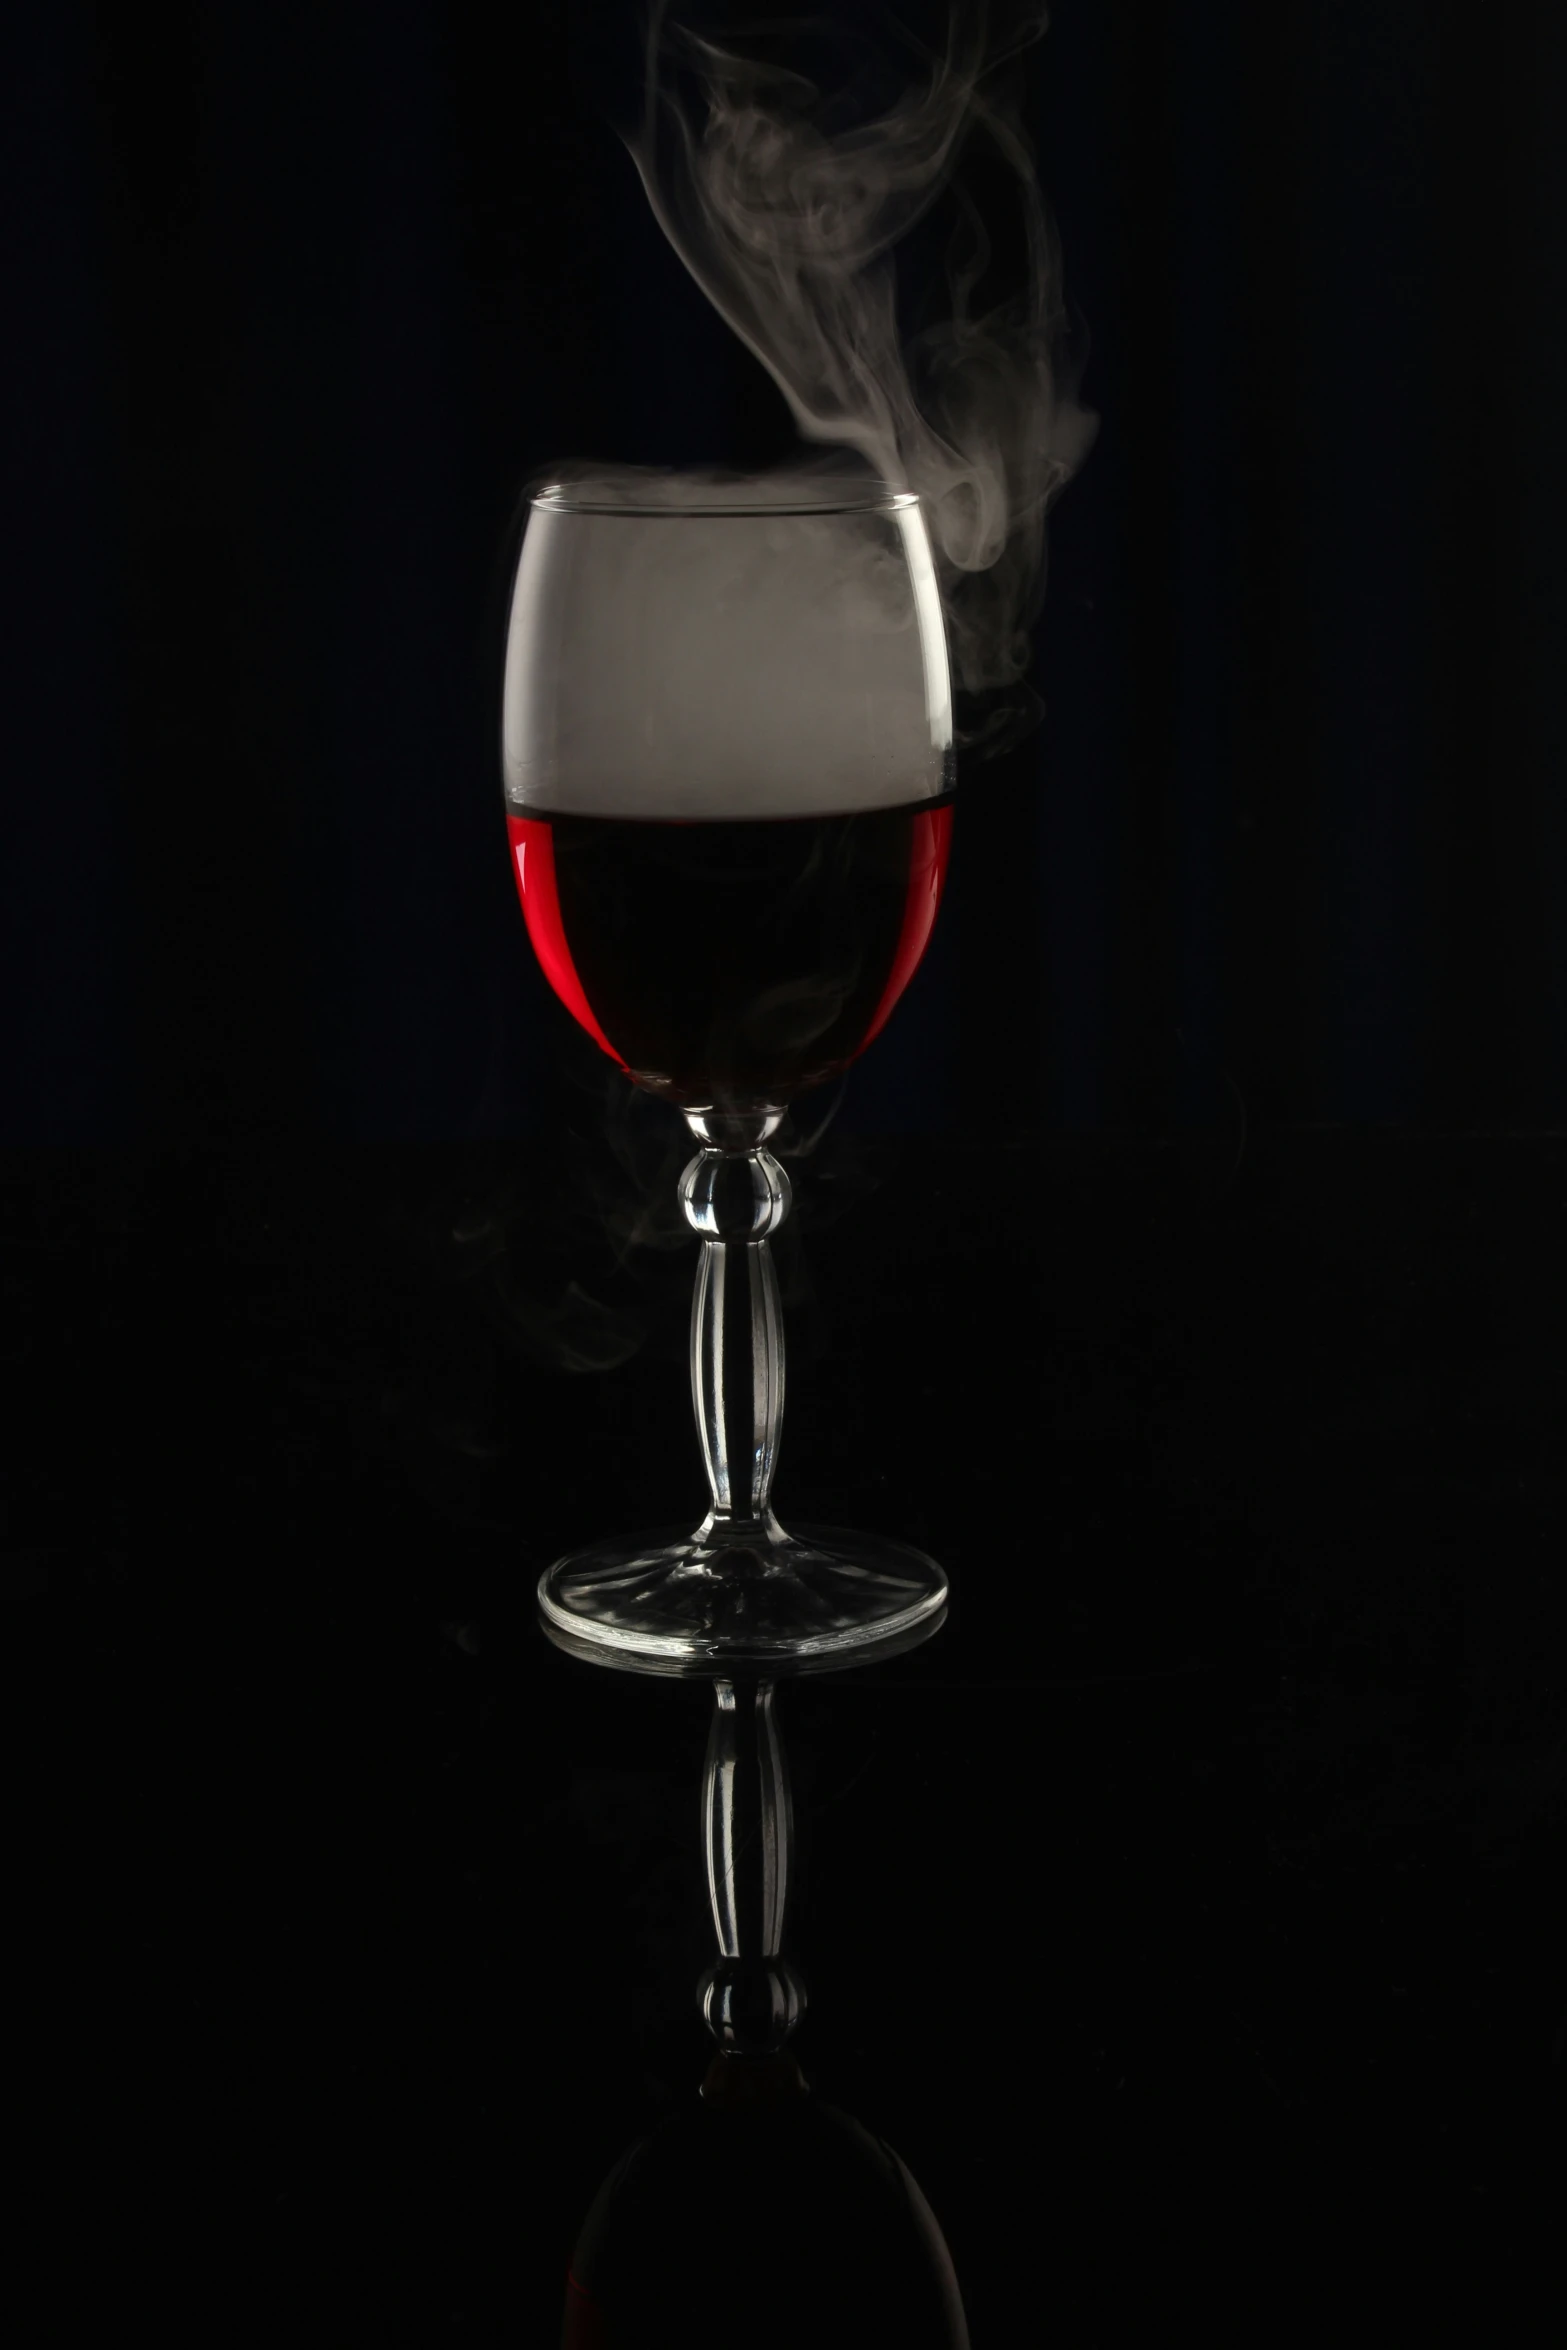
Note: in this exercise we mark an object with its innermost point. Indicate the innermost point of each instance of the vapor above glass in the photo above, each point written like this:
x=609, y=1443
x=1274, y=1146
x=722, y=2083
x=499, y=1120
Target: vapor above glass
x=696, y=649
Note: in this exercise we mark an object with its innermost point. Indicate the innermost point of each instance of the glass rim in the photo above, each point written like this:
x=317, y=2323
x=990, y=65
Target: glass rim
x=561, y=497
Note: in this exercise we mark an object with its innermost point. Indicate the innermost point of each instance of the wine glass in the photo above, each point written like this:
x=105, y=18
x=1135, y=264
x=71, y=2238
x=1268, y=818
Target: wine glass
x=727, y=745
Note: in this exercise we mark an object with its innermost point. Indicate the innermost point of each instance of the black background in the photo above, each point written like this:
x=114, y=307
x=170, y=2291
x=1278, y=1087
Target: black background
x=1183, y=1268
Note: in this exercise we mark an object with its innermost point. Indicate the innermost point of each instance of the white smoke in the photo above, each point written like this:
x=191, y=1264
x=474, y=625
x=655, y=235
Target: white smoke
x=697, y=646
x=788, y=218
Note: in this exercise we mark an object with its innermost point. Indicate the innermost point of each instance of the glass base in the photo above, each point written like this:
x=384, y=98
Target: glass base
x=779, y=1603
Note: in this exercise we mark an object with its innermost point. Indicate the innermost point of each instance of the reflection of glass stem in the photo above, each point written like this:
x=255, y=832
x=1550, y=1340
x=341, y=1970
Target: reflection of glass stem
x=751, y=1996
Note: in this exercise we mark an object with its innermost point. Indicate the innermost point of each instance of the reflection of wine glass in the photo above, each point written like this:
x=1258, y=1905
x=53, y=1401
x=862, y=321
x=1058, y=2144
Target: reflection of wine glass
x=791, y=2224
x=757, y=2210
x=728, y=759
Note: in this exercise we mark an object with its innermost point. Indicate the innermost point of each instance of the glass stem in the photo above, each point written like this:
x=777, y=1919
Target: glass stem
x=752, y=1997
x=734, y=1198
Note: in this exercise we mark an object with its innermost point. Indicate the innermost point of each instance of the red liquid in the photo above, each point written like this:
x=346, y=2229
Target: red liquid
x=732, y=962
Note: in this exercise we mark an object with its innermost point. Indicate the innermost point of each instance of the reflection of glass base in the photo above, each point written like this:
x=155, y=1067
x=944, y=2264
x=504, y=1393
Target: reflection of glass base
x=783, y=1603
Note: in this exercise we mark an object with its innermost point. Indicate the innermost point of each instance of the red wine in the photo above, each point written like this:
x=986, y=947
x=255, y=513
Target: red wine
x=736, y=962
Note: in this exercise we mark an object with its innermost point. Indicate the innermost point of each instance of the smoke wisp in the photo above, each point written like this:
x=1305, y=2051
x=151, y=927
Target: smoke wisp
x=786, y=194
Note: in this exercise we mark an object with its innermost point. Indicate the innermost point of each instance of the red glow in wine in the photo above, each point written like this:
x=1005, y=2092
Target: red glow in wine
x=740, y=961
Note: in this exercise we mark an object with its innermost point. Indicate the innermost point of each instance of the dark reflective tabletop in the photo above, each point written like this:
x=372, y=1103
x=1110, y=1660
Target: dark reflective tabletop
x=1186, y=1913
